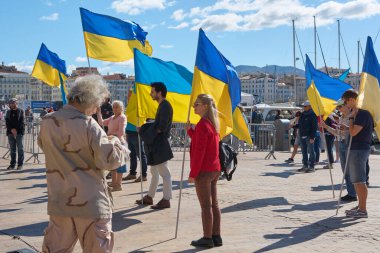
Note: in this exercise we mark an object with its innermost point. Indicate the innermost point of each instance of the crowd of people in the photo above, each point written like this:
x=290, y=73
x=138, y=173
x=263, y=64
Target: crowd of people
x=89, y=137
x=350, y=129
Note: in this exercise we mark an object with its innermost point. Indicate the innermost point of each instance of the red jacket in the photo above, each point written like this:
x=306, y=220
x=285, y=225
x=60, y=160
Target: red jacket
x=204, y=148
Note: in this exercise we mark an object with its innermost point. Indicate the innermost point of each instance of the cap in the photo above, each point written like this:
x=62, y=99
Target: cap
x=339, y=102
x=12, y=100
x=306, y=103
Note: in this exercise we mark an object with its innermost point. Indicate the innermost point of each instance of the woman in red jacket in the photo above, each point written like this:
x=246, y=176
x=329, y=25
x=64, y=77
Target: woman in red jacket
x=205, y=168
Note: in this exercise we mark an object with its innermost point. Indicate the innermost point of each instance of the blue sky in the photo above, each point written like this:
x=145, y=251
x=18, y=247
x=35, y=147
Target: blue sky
x=249, y=32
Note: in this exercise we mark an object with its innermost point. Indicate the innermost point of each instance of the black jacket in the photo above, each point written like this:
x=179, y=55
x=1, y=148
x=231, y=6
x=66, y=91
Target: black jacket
x=159, y=151
x=18, y=123
x=308, y=124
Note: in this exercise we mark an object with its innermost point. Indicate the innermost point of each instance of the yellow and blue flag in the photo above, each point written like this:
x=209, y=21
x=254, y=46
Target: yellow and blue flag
x=50, y=69
x=322, y=90
x=111, y=39
x=216, y=76
x=369, y=91
x=178, y=83
x=240, y=129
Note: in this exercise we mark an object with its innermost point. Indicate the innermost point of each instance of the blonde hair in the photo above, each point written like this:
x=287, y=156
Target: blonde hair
x=211, y=113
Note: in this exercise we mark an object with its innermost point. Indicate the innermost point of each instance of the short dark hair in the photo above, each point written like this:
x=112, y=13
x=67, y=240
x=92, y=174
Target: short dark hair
x=350, y=94
x=159, y=87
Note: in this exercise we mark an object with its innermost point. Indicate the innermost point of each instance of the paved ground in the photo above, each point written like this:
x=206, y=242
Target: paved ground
x=268, y=206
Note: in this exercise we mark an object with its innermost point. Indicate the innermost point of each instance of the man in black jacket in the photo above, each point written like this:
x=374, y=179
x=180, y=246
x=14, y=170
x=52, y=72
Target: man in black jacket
x=158, y=151
x=15, y=123
x=308, y=125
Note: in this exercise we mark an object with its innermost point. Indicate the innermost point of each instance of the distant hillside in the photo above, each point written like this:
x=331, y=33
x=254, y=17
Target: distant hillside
x=270, y=69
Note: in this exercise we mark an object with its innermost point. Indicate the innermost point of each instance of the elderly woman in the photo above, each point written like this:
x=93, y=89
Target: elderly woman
x=78, y=153
x=116, y=127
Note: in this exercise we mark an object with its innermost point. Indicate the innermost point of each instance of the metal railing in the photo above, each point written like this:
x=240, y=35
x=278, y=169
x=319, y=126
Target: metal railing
x=262, y=135
x=32, y=128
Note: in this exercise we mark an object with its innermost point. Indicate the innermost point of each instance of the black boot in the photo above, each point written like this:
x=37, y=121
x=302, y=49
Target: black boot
x=203, y=242
x=217, y=239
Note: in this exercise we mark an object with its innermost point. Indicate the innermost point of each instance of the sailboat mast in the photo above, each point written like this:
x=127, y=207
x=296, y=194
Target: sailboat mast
x=315, y=44
x=338, y=43
x=294, y=62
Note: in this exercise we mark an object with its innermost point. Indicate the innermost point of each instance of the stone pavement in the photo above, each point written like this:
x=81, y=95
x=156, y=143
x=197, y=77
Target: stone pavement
x=268, y=206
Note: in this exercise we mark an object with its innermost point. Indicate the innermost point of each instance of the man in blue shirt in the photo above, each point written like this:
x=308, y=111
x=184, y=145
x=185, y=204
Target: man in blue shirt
x=360, y=128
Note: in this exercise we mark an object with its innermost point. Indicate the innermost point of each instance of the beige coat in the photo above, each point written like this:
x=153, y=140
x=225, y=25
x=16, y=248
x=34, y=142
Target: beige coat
x=78, y=154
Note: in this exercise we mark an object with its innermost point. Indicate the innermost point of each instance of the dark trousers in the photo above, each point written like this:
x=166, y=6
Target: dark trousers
x=308, y=153
x=13, y=143
x=205, y=186
x=317, y=142
x=329, y=146
x=133, y=146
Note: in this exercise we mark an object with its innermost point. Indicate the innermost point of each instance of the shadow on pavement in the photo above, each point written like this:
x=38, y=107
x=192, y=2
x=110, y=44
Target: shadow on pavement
x=256, y=203
x=33, y=186
x=190, y=250
x=8, y=210
x=36, y=200
x=283, y=174
x=140, y=250
x=176, y=185
x=307, y=233
x=286, y=165
x=36, y=229
x=326, y=188
x=328, y=205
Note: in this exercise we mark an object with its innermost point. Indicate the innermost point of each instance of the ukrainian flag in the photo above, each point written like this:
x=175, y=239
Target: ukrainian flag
x=240, y=129
x=322, y=90
x=369, y=91
x=50, y=69
x=215, y=75
x=111, y=39
x=178, y=83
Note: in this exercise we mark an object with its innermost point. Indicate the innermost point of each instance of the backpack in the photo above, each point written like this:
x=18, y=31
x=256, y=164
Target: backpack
x=227, y=155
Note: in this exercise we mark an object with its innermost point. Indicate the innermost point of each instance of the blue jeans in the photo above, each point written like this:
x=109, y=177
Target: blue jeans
x=343, y=155
x=133, y=146
x=13, y=142
x=308, y=153
x=317, y=151
x=357, y=165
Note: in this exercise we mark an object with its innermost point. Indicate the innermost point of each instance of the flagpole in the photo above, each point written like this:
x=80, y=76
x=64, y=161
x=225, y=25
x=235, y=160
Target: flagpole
x=182, y=170
x=324, y=139
x=344, y=175
x=141, y=174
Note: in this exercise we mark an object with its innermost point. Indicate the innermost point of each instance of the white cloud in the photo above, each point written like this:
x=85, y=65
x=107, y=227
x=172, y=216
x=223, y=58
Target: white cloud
x=129, y=64
x=70, y=68
x=52, y=17
x=148, y=27
x=166, y=46
x=247, y=15
x=178, y=15
x=171, y=3
x=163, y=23
x=81, y=59
x=25, y=66
x=180, y=26
x=133, y=7
x=48, y=3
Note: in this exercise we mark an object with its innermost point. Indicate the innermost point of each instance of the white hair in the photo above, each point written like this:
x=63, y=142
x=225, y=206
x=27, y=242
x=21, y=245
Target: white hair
x=119, y=103
x=88, y=90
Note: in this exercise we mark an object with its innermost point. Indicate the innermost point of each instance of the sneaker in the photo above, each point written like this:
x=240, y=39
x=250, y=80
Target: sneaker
x=217, y=239
x=146, y=200
x=303, y=169
x=10, y=167
x=352, y=210
x=309, y=170
x=139, y=179
x=203, y=242
x=19, y=167
x=129, y=177
x=348, y=198
x=358, y=214
x=290, y=160
x=162, y=204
